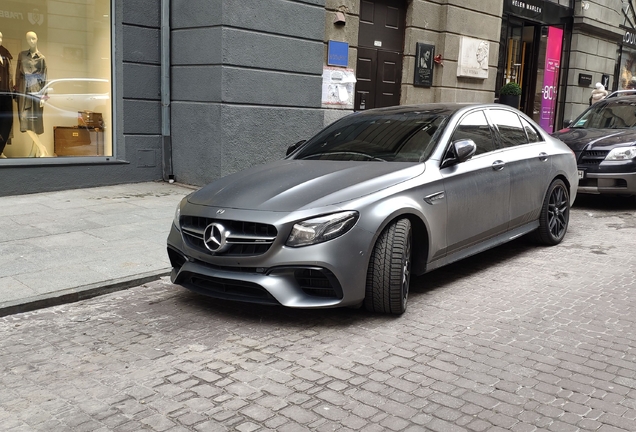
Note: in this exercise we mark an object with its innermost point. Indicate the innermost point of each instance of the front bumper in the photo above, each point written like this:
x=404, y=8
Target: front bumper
x=329, y=274
x=607, y=183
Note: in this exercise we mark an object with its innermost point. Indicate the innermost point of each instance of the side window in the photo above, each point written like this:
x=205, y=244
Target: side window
x=509, y=126
x=533, y=135
x=475, y=127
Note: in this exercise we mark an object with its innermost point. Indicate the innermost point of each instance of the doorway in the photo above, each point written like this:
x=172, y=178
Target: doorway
x=532, y=59
x=380, y=52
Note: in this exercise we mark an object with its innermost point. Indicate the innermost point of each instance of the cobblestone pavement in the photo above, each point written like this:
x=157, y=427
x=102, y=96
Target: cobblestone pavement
x=519, y=338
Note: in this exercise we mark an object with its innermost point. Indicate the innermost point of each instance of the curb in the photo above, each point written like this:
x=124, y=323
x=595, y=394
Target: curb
x=72, y=295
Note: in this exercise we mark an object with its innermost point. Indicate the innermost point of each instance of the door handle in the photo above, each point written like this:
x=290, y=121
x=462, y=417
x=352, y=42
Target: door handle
x=498, y=165
x=543, y=157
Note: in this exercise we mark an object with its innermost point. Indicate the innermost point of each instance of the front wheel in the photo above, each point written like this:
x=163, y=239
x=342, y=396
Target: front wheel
x=555, y=215
x=389, y=273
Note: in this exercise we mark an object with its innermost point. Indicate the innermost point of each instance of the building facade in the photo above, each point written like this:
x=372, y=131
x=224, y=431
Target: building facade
x=99, y=92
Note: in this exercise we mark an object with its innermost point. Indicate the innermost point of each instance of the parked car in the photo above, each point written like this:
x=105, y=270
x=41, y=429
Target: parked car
x=349, y=215
x=603, y=139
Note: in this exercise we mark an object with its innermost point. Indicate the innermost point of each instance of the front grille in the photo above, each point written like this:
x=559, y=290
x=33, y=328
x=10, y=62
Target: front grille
x=318, y=283
x=244, y=238
x=592, y=157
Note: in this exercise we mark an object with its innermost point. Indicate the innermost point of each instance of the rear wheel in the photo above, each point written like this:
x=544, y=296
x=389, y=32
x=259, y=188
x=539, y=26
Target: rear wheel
x=555, y=215
x=389, y=274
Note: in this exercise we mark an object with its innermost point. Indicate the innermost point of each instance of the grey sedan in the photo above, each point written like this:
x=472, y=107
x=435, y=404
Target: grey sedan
x=349, y=215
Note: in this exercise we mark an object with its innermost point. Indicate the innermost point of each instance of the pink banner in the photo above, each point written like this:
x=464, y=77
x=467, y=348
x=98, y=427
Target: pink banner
x=551, y=79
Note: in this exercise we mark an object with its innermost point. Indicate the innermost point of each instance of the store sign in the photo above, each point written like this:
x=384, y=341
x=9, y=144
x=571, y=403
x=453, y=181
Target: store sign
x=630, y=38
x=526, y=8
x=551, y=79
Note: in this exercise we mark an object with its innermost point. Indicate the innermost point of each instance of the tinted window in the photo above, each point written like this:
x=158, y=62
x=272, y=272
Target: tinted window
x=509, y=126
x=475, y=127
x=403, y=137
x=533, y=135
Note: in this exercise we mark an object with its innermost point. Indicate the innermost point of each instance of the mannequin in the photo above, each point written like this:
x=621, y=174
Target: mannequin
x=31, y=78
x=6, y=99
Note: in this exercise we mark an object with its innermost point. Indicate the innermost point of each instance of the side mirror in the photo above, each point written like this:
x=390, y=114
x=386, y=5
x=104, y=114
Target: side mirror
x=292, y=148
x=459, y=151
x=566, y=123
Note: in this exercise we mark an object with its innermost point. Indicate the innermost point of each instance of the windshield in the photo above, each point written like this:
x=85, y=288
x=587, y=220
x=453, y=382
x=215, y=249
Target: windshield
x=613, y=115
x=403, y=137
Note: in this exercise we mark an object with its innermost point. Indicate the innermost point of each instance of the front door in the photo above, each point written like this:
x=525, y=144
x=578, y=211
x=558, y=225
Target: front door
x=380, y=47
x=477, y=190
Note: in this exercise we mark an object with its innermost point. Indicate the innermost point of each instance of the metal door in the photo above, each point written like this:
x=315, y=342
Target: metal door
x=380, y=47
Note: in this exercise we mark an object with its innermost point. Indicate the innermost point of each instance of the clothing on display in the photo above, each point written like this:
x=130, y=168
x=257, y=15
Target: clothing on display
x=6, y=99
x=30, y=78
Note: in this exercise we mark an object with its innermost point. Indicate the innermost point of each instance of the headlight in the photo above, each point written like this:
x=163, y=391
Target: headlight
x=321, y=229
x=177, y=213
x=621, y=153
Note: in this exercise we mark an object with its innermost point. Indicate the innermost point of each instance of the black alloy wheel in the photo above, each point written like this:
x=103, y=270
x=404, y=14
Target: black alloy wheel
x=555, y=214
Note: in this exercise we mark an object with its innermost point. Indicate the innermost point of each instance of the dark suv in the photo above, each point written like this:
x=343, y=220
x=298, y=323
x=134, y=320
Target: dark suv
x=603, y=139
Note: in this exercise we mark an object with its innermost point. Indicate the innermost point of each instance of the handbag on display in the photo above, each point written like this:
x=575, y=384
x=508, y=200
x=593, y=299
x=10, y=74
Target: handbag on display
x=90, y=119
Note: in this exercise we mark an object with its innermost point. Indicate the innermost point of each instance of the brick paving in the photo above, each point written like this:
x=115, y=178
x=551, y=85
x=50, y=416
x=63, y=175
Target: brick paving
x=520, y=338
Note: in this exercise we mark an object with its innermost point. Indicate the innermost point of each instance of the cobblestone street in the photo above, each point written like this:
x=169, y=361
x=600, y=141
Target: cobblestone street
x=520, y=338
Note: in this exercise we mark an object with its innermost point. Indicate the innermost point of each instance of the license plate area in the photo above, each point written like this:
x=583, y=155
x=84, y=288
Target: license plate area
x=581, y=174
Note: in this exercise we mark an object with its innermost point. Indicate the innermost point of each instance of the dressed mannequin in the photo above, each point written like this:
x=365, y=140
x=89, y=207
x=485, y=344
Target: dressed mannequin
x=31, y=78
x=6, y=99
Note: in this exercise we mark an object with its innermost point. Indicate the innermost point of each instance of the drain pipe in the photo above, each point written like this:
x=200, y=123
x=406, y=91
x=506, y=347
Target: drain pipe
x=168, y=175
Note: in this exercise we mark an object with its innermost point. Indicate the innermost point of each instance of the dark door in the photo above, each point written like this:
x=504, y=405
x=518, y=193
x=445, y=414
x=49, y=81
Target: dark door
x=380, y=46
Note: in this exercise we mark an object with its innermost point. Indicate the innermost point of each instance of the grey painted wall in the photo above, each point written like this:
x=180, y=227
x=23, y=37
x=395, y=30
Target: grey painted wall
x=136, y=104
x=246, y=82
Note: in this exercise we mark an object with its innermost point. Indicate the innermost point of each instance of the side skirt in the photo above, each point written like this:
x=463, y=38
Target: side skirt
x=485, y=245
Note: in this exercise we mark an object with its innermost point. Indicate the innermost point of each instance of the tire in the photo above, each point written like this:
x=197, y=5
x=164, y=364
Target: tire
x=389, y=274
x=555, y=215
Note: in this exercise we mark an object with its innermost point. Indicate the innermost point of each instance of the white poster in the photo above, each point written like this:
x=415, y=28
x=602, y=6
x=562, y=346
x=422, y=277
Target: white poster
x=473, y=58
x=338, y=87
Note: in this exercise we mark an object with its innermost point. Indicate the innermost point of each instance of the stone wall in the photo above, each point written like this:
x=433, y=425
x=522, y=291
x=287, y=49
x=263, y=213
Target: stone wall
x=246, y=82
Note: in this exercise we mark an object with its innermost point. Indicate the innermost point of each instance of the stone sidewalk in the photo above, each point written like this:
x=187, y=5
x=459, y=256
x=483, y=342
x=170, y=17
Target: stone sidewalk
x=64, y=246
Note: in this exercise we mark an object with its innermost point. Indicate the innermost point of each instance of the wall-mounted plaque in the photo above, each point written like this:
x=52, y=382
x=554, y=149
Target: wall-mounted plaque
x=424, y=54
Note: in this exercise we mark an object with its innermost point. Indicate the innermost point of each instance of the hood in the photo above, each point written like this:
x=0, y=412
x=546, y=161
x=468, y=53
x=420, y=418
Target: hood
x=290, y=185
x=596, y=139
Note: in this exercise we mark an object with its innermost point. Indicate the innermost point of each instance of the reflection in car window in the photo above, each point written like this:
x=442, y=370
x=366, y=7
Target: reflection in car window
x=510, y=129
x=475, y=127
x=612, y=115
x=403, y=137
x=533, y=135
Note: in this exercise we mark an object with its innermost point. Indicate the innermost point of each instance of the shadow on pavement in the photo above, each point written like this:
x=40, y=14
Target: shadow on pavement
x=604, y=202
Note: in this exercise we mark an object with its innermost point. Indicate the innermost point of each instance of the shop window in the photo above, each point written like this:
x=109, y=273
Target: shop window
x=55, y=78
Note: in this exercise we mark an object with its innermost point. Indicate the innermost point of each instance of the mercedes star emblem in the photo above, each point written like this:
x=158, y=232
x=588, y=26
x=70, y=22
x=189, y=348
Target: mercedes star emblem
x=215, y=237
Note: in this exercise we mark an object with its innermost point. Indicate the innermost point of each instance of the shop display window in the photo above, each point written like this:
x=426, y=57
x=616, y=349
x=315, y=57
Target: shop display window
x=627, y=78
x=55, y=78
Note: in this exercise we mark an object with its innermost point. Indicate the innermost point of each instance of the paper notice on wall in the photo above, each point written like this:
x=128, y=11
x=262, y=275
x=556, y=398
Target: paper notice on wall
x=338, y=87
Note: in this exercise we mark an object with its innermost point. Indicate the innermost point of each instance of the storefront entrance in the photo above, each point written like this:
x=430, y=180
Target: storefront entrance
x=533, y=60
x=532, y=41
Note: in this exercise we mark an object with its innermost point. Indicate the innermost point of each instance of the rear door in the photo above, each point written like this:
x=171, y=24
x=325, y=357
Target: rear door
x=527, y=158
x=477, y=190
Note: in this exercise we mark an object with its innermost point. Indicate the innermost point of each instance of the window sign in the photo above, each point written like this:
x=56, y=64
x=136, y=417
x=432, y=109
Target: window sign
x=55, y=79
x=551, y=79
